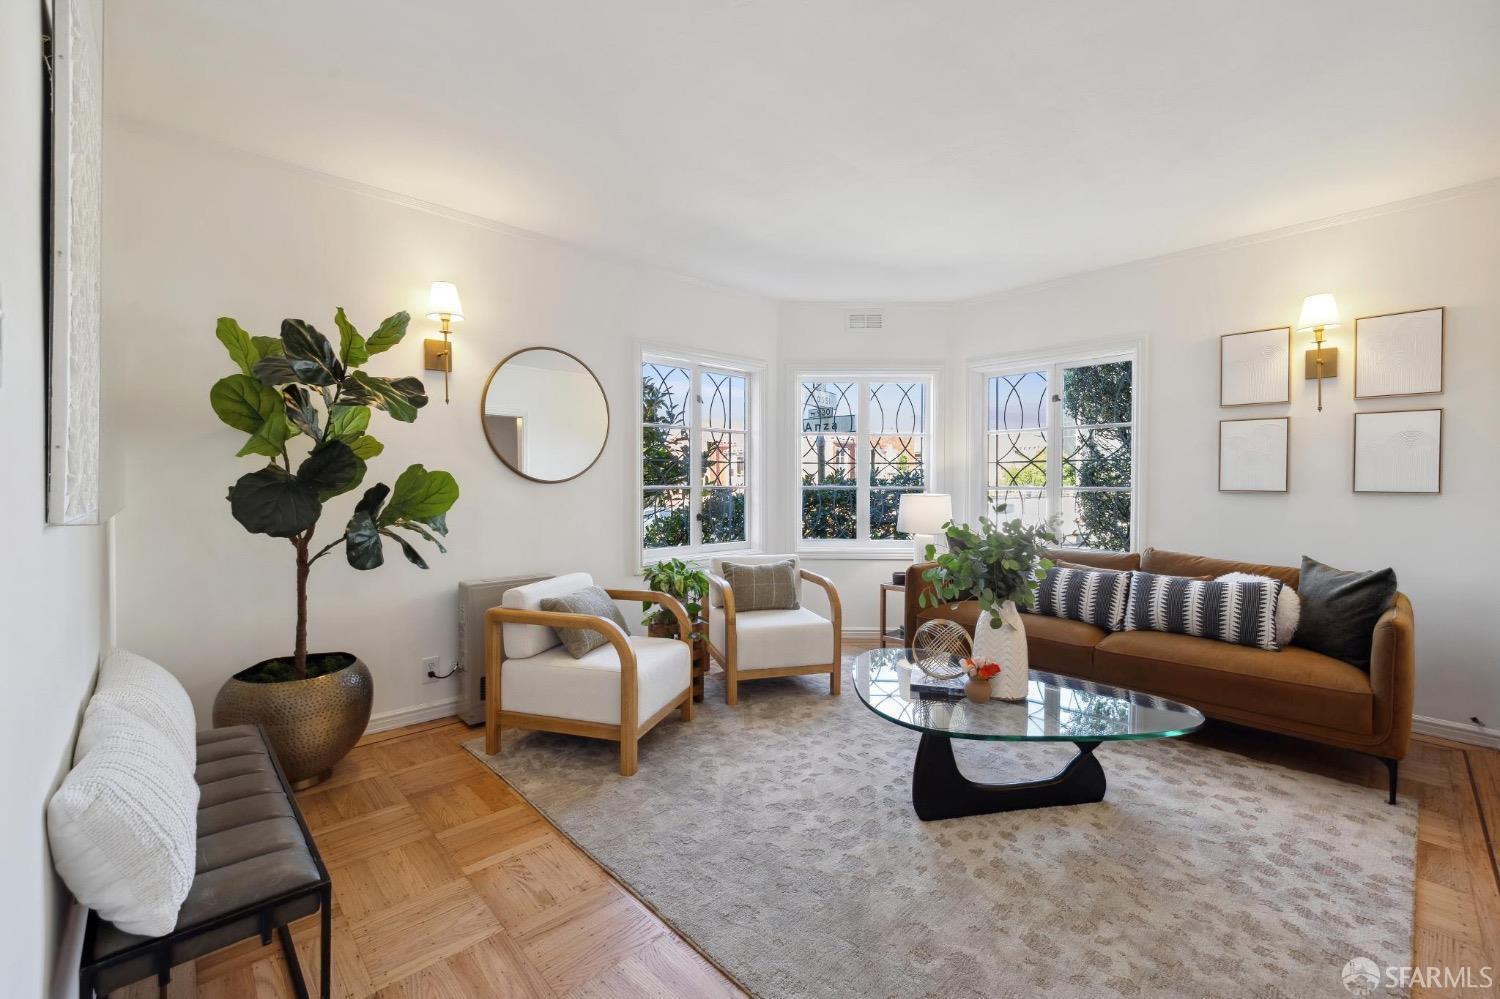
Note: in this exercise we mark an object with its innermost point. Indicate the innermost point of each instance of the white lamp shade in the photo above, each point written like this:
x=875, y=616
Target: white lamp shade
x=443, y=301
x=924, y=513
x=1318, y=310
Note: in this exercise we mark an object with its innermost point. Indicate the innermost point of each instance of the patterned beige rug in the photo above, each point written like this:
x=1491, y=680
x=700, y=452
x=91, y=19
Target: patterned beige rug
x=779, y=837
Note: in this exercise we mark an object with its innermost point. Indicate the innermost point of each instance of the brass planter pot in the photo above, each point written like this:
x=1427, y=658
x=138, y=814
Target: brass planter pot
x=312, y=724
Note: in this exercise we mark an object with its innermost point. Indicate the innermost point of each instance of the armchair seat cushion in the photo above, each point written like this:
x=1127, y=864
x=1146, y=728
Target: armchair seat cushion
x=774, y=638
x=554, y=684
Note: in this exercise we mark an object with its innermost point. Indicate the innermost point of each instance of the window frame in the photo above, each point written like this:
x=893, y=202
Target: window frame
x=1054, y=363
x=862, y=546
x=696, y=363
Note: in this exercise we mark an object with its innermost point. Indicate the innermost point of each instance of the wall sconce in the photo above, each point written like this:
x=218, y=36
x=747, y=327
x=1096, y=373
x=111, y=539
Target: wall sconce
x=1319, y=313
x=444, y=306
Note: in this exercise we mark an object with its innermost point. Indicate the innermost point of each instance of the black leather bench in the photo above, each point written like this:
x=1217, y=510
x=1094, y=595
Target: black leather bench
x=257, y=871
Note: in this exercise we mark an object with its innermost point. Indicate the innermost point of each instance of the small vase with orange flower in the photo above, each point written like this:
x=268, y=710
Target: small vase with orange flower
x=978, y=689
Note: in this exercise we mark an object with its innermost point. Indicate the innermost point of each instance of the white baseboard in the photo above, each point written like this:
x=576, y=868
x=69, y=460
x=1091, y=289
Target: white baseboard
x=401, y=717
x=1442, y=728
x=861, y=632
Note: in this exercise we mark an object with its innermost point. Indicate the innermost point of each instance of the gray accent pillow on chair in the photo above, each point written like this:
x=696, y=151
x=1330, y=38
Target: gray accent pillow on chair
x=765, y=586
x=590, y=600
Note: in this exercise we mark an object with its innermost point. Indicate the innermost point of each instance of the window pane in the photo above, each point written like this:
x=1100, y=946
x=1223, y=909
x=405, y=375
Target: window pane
x=830, y=514
x=722, y=516
x=827, y=406
x=723, y=400
x=1017, y=402
x=896, y=461
x=664, y=394
x=1095, y=520
x=897, y=408
x=884, y=505
x=1029, y=505
x=664, y=457
x=1016, y=459
x=1099, y=457
x=723, y=458
x=1097, y=393
x=828, y=460
x=664, y=518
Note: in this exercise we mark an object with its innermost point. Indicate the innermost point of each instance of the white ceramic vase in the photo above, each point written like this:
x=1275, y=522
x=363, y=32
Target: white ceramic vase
x=1005, y=645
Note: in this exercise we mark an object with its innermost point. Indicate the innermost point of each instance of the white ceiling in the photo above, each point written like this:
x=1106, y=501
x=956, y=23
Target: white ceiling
x=843, y=149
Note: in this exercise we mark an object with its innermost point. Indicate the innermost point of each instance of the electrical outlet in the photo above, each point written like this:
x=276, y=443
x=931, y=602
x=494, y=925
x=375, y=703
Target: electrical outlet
x=429, y=667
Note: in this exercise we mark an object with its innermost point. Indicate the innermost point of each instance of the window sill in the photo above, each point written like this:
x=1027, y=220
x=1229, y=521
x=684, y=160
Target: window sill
x=704, y=555
x=857, y=554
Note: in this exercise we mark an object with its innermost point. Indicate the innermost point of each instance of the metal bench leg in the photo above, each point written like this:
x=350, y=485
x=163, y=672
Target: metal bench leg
x=294, y=969
x=324, y=972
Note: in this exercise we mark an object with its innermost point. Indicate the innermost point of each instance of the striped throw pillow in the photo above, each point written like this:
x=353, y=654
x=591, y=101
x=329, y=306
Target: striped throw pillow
x=1093, y=596
x=1242, y=613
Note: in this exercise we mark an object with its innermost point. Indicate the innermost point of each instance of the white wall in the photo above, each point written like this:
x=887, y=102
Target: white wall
x=197, y=232
x=1443, y=251
x=51, y=589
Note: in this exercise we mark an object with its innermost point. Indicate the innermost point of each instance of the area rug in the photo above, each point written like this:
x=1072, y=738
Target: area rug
x=779, y=837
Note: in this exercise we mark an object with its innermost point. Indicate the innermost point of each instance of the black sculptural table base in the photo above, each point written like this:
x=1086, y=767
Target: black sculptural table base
x=939, y=791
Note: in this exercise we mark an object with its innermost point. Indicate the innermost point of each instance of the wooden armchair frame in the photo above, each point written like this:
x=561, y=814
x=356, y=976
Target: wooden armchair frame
x=629, y=731
x=728, y=657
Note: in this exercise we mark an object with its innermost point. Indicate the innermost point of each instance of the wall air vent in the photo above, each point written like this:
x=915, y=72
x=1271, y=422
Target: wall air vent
x=864, y=321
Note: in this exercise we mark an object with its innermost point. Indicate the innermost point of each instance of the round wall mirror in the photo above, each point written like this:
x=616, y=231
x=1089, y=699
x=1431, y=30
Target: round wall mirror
x=545, y=414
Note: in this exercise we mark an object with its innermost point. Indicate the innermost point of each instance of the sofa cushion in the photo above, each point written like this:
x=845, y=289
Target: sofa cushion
x=589, y=600
x=1095, y=596
x=1243, y=613
x=1340, y=610
x=123, y=823
x=524, y=640
x=1058, y=644
x=1294, y=683
x=1168, y=563
x=1288, y=607
x=554, y=684
x=773, y=638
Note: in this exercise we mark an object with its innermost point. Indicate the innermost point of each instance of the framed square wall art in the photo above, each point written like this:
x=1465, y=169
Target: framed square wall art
x=1400, y=353
x=1399, y=452
x=1253, y=455
x=1255, y=368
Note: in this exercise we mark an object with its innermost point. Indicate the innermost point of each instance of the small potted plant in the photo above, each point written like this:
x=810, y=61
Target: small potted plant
x=999, y=566
x=981, y=676
x=293, y=389
x=689, y=584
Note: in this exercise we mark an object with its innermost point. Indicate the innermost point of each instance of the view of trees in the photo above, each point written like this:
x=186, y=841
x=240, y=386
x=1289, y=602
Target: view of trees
x=1099, y=393
x=665, y=465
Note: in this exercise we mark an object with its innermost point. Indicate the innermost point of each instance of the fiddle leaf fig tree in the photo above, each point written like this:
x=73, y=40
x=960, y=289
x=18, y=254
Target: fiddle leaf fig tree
x=299, y=392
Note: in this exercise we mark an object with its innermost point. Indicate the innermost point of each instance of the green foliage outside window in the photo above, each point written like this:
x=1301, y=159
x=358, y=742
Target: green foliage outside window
x=1100, y=393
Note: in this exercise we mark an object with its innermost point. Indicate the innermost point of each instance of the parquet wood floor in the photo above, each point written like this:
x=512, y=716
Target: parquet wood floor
x=447, y=884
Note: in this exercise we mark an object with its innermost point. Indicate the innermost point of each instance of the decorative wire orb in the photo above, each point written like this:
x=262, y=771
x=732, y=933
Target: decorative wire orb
x=937, y=645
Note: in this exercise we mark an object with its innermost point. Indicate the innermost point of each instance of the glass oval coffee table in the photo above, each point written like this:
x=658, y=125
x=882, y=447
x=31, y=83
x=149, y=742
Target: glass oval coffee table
x=1056, y=709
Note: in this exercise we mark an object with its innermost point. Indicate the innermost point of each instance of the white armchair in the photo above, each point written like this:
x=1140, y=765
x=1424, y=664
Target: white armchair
x=618, y=692
x=756, y=645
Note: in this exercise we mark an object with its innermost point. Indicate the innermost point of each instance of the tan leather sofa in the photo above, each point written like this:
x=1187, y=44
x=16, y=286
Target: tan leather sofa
x=1294, y=691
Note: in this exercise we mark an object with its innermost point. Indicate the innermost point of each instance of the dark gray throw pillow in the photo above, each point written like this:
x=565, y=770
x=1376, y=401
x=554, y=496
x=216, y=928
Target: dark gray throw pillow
x=590, y=600
x=1340, y=609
